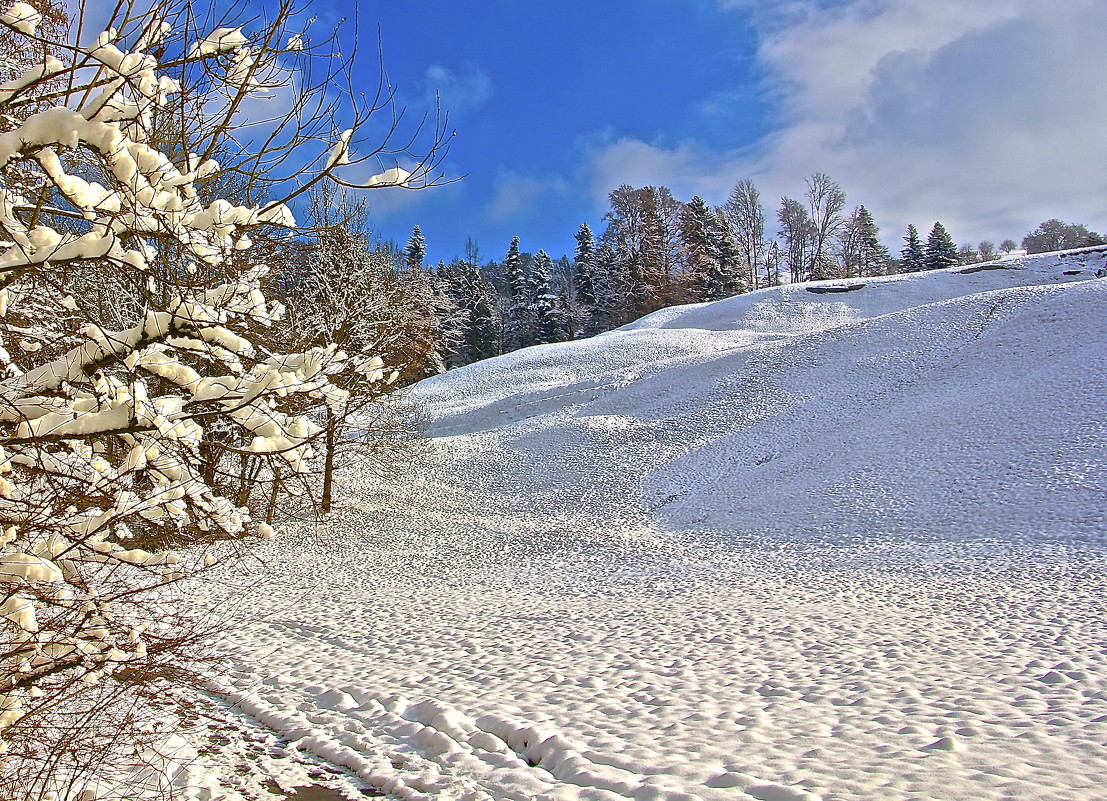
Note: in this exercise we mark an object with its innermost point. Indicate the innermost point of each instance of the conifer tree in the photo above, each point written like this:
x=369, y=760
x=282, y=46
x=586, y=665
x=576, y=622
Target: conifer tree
x=612, y=290
x=913, y=255
x=517, y=299
x=416, y=250
x=477, y=334
x=728, y=253
x=701, y=262
x=582, y=265
x=941, y=252
x=862, y=252
x=544, y=311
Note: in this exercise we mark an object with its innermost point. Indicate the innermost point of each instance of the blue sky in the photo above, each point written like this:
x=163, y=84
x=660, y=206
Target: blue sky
x=987, y=115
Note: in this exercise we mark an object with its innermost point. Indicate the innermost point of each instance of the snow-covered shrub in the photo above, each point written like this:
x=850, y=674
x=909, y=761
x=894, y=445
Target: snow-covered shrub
x=136, y=342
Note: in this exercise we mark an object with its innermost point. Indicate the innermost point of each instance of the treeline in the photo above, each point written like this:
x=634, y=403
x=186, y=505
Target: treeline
x=656, y=251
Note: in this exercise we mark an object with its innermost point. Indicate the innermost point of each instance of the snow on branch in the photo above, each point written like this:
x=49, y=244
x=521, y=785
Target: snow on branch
x=137, y=343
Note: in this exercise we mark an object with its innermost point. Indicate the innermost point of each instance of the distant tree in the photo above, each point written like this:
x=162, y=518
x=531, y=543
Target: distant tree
x=643, y=228
x=545, y=311
x=611, y=281
x=709, y=251
x=416, y=250
x=987, y=251
x=1008, y=245
x=913, y=255
x=859, y=240
x=478, y=333
x=576, y=312
x=747, y=220
x=774, y=257
x=967, y=254
x=797, y=231
x=1056, y=235
x=941, y=252
x=728, y=254
x=517, y=316
x=582, y=265
x=825, y=200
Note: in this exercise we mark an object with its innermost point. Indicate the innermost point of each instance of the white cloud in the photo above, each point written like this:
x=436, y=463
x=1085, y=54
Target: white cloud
x=517, y=194
x=464, y=88
x=988, y=115
x=687, y=169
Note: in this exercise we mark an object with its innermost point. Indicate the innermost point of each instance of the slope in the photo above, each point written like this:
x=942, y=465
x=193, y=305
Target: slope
x=790, y=545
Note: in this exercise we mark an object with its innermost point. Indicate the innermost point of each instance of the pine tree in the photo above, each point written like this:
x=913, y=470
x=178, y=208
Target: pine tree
x=701, y=263
x=517, y=323
x=612, y=291
x=416, y=250
x=582, y=265
x=861, y=249
x=913, y=255
x=941, y=252
x=728, y=253
x=477, y=335
x=544, y=308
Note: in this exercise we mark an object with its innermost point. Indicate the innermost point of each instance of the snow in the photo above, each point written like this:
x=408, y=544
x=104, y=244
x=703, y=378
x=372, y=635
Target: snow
x=22, y=17
x=396, y=176
x=781, y=546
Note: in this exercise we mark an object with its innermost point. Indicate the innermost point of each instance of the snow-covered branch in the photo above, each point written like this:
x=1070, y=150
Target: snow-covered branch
x=138, y=350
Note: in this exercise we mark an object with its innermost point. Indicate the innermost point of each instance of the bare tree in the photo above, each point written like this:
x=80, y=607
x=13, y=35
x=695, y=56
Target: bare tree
x=350, y=294
x=798, y=232
x=825, y=200
x=747, y=220
x=152, y=172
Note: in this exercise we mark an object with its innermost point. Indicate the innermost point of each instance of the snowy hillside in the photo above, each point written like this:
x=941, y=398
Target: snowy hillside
x=789, y=545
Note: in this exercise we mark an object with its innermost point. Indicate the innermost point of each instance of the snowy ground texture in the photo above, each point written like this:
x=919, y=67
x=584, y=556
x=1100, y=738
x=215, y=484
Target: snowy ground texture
x=784, y=546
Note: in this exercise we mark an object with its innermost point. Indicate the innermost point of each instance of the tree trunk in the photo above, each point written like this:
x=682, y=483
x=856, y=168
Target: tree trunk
x=328, y=461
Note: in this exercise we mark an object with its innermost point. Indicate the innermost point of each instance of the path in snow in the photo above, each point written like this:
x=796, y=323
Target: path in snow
x=782, y=546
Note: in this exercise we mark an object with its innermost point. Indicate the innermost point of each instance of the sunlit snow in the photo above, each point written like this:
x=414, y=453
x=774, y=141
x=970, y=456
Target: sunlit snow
x=782, y=546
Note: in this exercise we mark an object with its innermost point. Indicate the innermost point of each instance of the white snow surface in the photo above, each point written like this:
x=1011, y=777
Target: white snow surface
x=782, y=546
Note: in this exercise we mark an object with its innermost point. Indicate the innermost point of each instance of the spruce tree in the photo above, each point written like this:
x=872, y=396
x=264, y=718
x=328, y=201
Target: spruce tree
x=416, y=250
x=582, y=265
x=913, y=255
x=517, y=299
x=611, y=283
x=544, y=309
x=941, y=252
x=872, y=256
x=698, y=259
x=728, y=253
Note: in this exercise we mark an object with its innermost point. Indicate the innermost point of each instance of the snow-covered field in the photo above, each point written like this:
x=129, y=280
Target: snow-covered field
x=783, y=546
